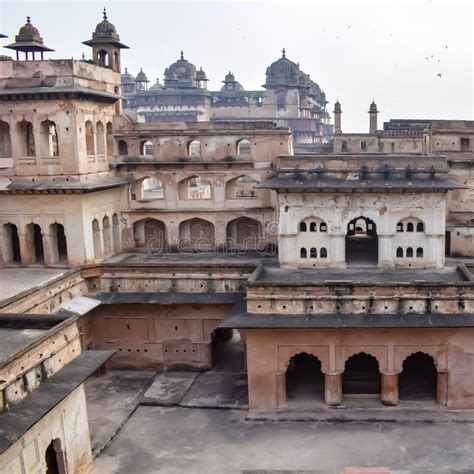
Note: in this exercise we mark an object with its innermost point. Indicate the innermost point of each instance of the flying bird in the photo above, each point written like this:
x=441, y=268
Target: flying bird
x=439, y=74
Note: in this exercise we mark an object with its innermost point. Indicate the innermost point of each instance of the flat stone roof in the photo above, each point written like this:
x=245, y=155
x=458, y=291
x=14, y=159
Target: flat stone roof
x=15, y=422
x=244, y=320
x=190, y=258
x=310, y=276
x=13, y=341
x=16, y=280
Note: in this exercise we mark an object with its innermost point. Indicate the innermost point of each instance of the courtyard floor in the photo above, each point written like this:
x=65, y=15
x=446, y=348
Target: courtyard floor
x=189, y=422
x=197, y=440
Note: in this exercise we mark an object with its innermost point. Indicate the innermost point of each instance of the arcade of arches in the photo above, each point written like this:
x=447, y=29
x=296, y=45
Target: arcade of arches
x=306, y=383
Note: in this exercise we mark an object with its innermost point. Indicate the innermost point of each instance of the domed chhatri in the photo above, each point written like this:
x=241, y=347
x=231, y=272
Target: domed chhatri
x=282, y=71
x=141, y=76
x=106, y=45
x=230, y=84
x=183, y=74
x=28, y=40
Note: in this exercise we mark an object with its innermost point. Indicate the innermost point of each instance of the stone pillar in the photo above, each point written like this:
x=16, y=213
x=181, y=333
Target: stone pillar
x=25, y=253
x=386, y=259
x=333, y=389
x=172, y=236
x=48, y=260
x=442, y=389
x=389, y=394
x=281, y=388
x=220, y=236
x=337, y=251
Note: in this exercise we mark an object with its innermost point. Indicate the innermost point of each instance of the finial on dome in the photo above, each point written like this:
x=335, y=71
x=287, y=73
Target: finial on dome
x=28, y=20
x=182, y=54
x=105, y=14
x=283, y=53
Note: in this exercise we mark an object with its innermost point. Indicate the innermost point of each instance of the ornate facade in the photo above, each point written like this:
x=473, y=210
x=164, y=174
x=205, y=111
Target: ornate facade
x=171, y=237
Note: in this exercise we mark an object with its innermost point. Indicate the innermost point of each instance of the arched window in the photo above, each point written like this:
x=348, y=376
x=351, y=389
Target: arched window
x=152, y=188
x=302, y=226
x=420, y=227
x=363, y=145
x=26, y=138
x=96, y=239
x=400, y=227
x=323, y=227
x=34, y=237
x=102, y=58
x=90, y=145
x=11, y=244
x=195, y=187
x=146, y=148
x=344, y=146
x=303, y=253
x=419, y=252
x=410, y=227
x=399, y=252
x=194, y=148
x=5, y=140
x=242, y=187
x=99, y=128
x=58, y=243
x=313, y=253
x=110, y=139
x=244, y=147
x=409, y=252
x=116, y=233
x=122, y=147
x=106, y=236
x=323, y=253
x=313, y=227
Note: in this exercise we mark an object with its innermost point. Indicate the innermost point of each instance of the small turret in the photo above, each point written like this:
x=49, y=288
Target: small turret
x=28, y=40
x=337, y=117
x=373, y=117
x=106, y=45
x=142, y=81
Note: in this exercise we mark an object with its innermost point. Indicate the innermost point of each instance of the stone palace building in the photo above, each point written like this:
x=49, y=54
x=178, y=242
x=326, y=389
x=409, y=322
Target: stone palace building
x=172, y=236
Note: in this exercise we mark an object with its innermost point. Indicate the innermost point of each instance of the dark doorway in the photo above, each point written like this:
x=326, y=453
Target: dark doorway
x=304, y=378
x=228, y=351
x=13, y=244
x=362, y=246
x=419, y=378
x=62, y=246
x=361, y=375
x=51, y=459
x=38, y=242
x=447, y=243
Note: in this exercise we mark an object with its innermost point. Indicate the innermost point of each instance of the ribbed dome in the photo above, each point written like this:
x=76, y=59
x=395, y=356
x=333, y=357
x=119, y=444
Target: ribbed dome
x=230, y=84
x=181, y=74
x=105, y=33
x=141, y=76
x=201, y=75
x=283, y=72
x=28, y=32
x=127, y=78
x=105, y=29
x=28, y=39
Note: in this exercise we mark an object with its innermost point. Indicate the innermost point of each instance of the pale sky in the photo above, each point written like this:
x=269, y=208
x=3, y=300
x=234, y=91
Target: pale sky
x=390, y=51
